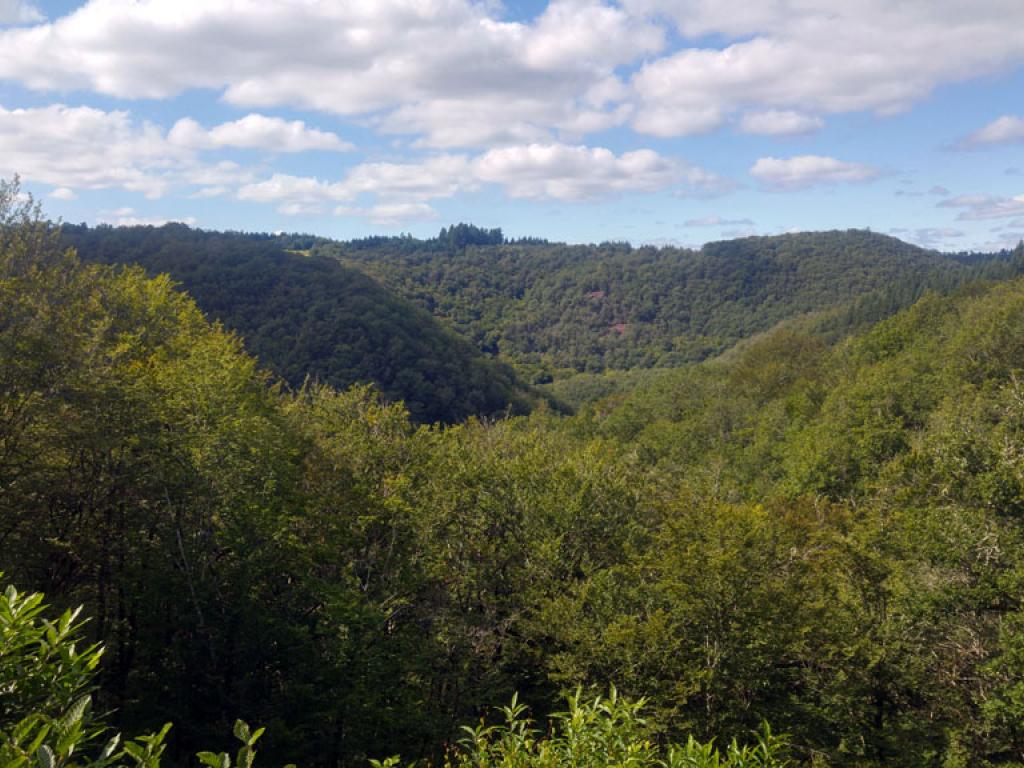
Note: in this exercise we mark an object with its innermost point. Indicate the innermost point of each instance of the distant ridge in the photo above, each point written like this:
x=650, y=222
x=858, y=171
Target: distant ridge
x=555, y=309
x=309, y=316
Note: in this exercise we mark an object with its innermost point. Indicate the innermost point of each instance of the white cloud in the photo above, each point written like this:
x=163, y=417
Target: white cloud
x=125, y=217
x=256, y=132
x=437, y=177
x=565, y=172
x=818, y=56
x=718, y=221
x=18, y=12
x=87, y=148
x=775, y=122
x=1004, y=130
x=216, y=173
x=455, y=73
x=302, y=193
x=808, y=170
x=390, y=214
x=63, y=193
x=572, y=31
x=419, y=66
x=483, y=121
x=441, y=176
x=678, y=119
x=400, y=191
x=512, y=102
x=985, y=207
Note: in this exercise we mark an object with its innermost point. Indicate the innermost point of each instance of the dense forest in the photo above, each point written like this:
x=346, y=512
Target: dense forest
x=555, y=310
x=806, y=551
x=309, y=317
x=535, y=311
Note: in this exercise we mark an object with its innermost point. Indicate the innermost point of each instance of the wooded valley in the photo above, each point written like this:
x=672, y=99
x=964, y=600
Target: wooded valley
x=362, y=493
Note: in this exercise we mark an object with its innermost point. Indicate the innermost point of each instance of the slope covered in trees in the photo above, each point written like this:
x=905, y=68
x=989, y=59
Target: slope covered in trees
x=826, y=536
x=555, y=309
x=48, y=719
x=311, y=317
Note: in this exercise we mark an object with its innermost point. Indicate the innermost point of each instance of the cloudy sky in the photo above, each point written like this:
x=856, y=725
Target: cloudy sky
x=664, y=121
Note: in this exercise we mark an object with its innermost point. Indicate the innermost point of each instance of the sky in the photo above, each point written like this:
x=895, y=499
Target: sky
x=669, y=122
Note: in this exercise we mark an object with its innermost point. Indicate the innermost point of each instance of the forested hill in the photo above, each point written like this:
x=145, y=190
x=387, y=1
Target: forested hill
x=307, y=316
x=451, y=305
x=826, y=538
x=554, y=308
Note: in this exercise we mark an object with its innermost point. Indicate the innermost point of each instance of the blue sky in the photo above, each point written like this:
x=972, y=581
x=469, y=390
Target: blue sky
x=663, y=121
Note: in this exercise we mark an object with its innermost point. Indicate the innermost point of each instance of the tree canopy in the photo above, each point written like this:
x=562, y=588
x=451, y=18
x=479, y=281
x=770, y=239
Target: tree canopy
x=820, y=531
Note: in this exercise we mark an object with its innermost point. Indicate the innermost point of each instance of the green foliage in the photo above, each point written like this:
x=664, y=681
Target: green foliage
x=307, y=317
x=596, y=733
x=554, y=310
x=46, y=714
x=822, y=528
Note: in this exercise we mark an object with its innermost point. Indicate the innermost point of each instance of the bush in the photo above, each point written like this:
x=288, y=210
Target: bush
x=603, y=732
x=46, y=715
x=47, y=720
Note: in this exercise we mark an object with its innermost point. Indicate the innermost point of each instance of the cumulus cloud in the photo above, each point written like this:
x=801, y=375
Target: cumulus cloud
x=86, y=148
x=256, y=132
x=1004, y=130
x=566, y=172
x=394, y=183
x=823, y=56
x=456, y=73
x=441, y=176
x=510, y=102
x=299, y=193
x=571, y=31
x=126, y=217
x=775, y=122
x=417, y=66
x=18, y=12
x=533, y=171
x=985, y=207
x=679, y=120
x=390, y=214
x=809, y=170
x=82, y=147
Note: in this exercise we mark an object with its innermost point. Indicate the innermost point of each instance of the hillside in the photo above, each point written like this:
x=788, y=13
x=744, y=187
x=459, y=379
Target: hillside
x=308, y=316
x=786, y=413
x=702, y=448
x=554, y=309
x=824, y=535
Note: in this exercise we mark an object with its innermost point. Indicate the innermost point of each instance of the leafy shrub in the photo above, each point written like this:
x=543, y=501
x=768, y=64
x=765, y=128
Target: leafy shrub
x=602, y=732
x=46, y=714
x=47, y=720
